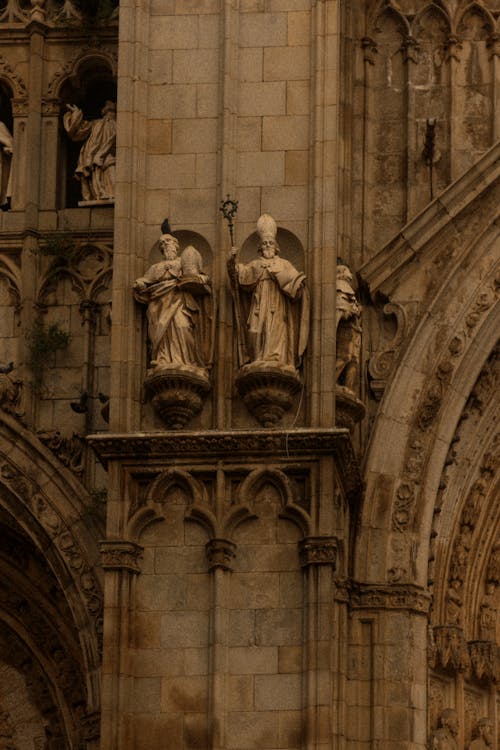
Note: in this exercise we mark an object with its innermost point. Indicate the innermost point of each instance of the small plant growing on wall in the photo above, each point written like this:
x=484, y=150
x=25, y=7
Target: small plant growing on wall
x=42, y=342
x=60, y=246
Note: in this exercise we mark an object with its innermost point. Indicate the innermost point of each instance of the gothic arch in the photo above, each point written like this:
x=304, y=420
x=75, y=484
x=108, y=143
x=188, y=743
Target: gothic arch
x=45, y=502
x=436, y=371
x=73, y=70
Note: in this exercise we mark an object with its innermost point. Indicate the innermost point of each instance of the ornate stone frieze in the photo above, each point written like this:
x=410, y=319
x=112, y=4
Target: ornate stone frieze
x=398, y=596
x=118, y=554
x=318, y=550
x=421, y=436
x=47, y=514
x=220, y=554
x=244, y=443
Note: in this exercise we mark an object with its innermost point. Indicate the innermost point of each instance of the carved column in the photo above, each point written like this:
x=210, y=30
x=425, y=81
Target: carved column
x=318, y=557
x=120, y=560
x=20, y=114
x=51, y=111
x=220, y=553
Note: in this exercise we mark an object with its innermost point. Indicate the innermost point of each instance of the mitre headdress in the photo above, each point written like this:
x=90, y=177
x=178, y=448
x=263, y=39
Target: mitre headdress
x=266, y=227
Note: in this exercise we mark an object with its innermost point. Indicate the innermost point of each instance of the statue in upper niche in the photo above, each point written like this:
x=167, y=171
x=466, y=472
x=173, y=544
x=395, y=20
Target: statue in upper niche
x=348, y=329
x=445, y=736
x=177, y=294
x=273, y=309
x=96, y=163
x=6, y=151
x=484, y=735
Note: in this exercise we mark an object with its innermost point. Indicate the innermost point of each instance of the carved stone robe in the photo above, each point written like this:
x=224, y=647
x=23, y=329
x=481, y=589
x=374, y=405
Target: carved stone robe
x=277, y=322
x=95, y=168
x=173, y=317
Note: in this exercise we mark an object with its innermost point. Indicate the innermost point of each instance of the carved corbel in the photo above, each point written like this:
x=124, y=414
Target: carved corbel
x=120, y=554
x=318, y=550
x=411, y=49
x=220, y=553
x=453, y=47
x=370, y=49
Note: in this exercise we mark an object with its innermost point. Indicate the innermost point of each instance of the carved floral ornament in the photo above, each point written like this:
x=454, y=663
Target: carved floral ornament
x=34, y=505
x=422, y=434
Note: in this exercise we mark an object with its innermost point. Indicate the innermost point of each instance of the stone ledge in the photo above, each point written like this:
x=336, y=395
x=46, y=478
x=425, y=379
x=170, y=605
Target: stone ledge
x=212, y=445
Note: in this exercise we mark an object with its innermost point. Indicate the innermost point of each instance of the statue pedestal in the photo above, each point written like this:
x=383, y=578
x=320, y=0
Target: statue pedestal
x=349, y=410
x=177, y=393
x=267, y=391
x=93, y=204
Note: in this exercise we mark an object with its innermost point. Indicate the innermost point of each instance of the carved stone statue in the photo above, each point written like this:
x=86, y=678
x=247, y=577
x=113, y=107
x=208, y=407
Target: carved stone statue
x=176, y=319
x=488, y=613
x=96, y=163
x=274, y=303
x=271, y=304
x=180, y=321
x=484, y=735
x=6, y=151
x=348, y=327
x=445, y=736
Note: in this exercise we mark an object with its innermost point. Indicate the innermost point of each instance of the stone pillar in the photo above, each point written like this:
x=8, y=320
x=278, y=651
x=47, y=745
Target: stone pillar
x=387, y=690
x=120, y=560
x=49, y=187
x=20, y=115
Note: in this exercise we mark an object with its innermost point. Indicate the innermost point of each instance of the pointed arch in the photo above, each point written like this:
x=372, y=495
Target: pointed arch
x=286, y=489
x=476, y=9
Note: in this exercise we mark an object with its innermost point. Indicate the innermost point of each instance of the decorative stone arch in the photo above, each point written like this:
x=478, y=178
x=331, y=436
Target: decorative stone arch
x=448, y=254
x=475, y=8
x=12, y=79
x=287, y=491
x=73, y=70
x=49, y=505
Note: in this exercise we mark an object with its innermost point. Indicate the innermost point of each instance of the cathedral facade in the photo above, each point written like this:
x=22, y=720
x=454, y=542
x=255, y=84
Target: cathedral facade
x=249, y=374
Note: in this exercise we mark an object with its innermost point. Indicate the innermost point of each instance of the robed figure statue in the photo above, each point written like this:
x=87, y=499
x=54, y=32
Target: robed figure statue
x=273, y=304
x=96, y=163
x=175, y=291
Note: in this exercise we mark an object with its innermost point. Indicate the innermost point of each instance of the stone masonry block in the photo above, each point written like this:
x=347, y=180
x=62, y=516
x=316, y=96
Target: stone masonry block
x=289, y=659
x=296, y=167
x=263, y=30
x=184, y=629
x=171, y=171
x=281, y=627
x=298, y=97
x=256, y=168
x=240, y=692
x=249, y=133
x=255, y=590
x=252, y=730
x=195, y=66
x=253, y=660
x=279, y=692
x=185, y=694
x=146, y=695
x=251, y=62
x=241, y=627
x=174, y=32
x=286, y=63
x=299, y=28
x=287, y=132
x=194, y=136
x=161, y=592
x=156, y=662
x=262, y=98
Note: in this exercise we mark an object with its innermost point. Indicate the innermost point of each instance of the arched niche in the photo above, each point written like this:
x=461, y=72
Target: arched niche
x=91, y=84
